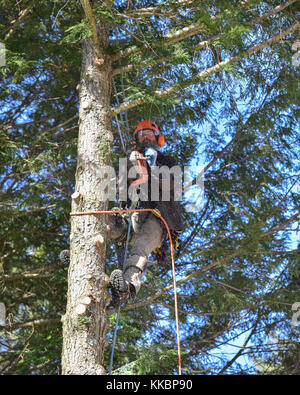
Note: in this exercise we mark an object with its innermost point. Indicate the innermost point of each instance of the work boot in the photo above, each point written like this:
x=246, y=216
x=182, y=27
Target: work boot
x=64, y=257
x=120, y=288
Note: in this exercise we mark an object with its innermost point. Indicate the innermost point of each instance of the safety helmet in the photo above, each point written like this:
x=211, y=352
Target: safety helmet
x=149, y=125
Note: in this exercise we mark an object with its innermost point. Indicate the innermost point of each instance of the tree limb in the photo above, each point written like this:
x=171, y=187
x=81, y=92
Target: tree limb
x=209, y=164
x=277, y=228
x=204, y=269
x=132, y=67
x=31, y=273
x=205, y=73
x=28, y=324
x=90, y=17
x=170, y=38
x=191, y=30
x=142, y=12
x=16, y=23
x=239, y=353
x=272, y=12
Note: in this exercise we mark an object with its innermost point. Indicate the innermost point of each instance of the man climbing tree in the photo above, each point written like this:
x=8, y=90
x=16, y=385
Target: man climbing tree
x=149, y=231
x=220, y=76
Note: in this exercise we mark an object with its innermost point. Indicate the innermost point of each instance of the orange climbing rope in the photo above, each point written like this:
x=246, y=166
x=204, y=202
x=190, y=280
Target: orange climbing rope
x=157, y=213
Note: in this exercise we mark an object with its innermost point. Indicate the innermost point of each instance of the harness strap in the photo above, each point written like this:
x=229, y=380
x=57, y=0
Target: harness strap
x=121, y=239
x=143, y=171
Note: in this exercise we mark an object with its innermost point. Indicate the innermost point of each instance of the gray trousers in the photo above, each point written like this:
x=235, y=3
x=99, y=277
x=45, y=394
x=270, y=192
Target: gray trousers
x=148, y=236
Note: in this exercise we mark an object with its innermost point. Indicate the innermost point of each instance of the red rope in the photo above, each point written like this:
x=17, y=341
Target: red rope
x=157, y=213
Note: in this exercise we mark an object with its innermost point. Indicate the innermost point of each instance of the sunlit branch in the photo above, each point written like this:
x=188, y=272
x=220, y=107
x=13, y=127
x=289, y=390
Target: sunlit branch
x=205, y=73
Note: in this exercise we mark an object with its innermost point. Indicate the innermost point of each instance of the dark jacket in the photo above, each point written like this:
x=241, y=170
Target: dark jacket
x=170, y=210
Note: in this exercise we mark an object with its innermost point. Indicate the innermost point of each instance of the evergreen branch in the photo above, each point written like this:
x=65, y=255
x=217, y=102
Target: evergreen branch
x=277, y=228
x=240, y=352
x=28, y=324
x=205, y=73
x=8, y=126
x=204, y=269
x=150, y=11
x=272, y=230
x=143, y=12
x=272, y=12
x=212, y=172
x=56, y=127
x=168, y=288
x=170, y=38
x=192, y=30
x=178, y=4
x=288, y=252
x=133, y=67
x=30, y=274
x=185, y=243
x=201, y=314
x=283, y=199
x=22, y=16
x=209, y=164
x=182, y=35
x=33, y=210
x=90, y=17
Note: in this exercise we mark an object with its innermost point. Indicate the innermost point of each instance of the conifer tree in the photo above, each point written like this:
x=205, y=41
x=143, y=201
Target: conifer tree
x=219, y=79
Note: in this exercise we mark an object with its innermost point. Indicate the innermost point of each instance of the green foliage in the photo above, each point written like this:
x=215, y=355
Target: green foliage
x=238, y=252
x=76, y=33
x=80, y=322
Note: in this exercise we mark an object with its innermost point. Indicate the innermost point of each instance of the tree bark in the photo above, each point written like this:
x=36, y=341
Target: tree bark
x=85, y=322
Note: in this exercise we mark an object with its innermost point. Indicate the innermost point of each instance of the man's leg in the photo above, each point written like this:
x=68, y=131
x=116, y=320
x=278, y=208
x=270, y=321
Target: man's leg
x=116, y=225
x=148, y=238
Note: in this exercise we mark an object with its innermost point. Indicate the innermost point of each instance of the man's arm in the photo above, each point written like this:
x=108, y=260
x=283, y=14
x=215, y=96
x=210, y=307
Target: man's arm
x=129, y=173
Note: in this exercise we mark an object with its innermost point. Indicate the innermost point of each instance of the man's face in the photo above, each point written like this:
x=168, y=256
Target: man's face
x=146, y=137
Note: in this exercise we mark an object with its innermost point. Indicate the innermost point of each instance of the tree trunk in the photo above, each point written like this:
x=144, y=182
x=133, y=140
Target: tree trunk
x=85, y=322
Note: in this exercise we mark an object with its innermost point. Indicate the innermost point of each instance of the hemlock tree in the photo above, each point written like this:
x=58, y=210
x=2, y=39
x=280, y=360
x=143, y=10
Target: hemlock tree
x=218, y=78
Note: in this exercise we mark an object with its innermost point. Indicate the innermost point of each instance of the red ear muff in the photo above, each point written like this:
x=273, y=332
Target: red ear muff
x=160, y=140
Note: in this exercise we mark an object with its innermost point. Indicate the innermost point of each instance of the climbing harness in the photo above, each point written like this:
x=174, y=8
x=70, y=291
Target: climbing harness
x=160, y=251
x=158, y=214
x=119, y=241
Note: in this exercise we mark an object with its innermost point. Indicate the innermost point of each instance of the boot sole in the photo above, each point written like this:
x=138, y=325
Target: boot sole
x=117, y=281
x=64, y=257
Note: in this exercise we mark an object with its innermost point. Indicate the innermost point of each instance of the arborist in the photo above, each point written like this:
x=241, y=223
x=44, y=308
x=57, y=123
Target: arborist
x=148, y=231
